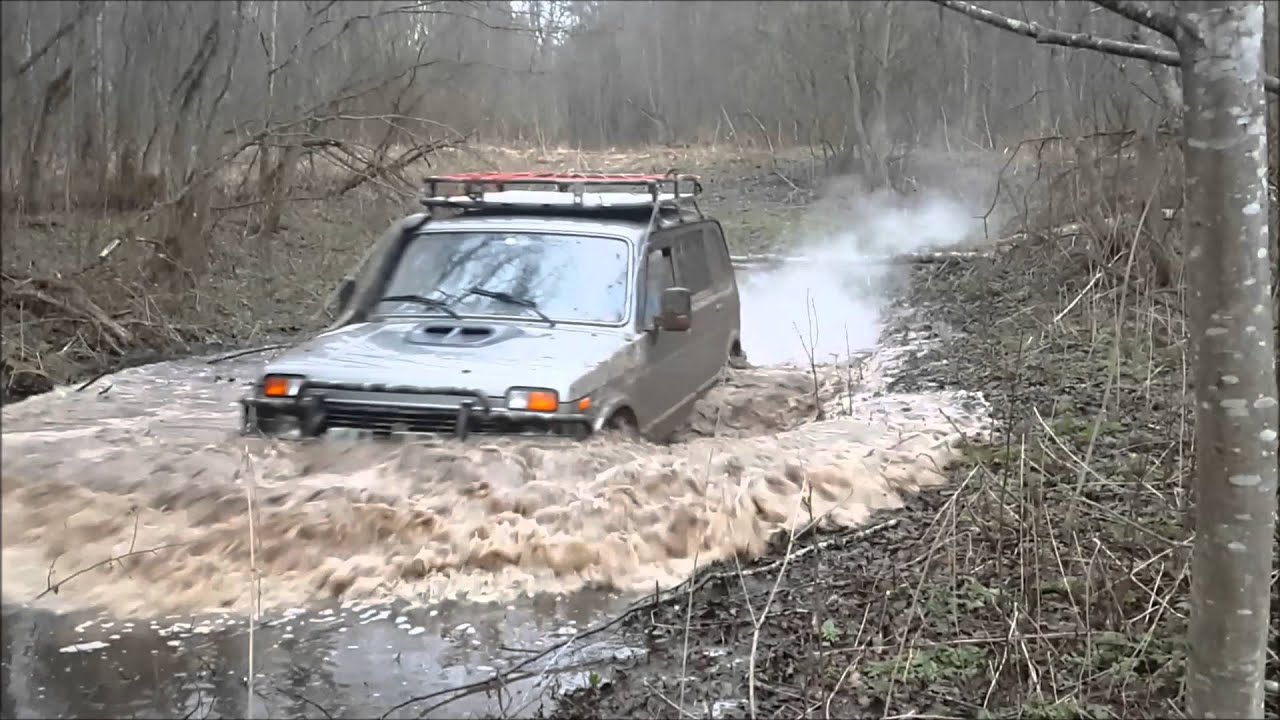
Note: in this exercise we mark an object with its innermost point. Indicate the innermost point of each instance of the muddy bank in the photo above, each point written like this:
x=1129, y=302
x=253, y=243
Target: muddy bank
x=1029, y=586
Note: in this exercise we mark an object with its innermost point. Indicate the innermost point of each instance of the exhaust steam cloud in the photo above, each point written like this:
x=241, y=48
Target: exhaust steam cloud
x=831, y=301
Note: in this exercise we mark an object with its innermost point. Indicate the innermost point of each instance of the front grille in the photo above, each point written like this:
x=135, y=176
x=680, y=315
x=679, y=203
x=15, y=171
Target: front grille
x=400, y=418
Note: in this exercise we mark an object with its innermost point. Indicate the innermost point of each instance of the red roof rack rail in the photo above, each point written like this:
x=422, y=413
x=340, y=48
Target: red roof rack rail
x=565, y=190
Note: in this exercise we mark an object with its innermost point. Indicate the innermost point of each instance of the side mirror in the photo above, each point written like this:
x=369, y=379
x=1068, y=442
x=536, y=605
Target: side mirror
x=346, y=291
x=675, y=310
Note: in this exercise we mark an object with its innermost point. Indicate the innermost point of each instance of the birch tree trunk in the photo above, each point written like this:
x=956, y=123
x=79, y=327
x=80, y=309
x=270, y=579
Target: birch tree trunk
x=1231, y=329
x=1271, y=51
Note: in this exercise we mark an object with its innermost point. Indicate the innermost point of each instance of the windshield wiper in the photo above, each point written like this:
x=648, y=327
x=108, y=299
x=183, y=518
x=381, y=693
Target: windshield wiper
x=511, y=299
x=424, y=300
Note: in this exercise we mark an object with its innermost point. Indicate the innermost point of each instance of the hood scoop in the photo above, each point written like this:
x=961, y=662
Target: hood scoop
x=452, y=334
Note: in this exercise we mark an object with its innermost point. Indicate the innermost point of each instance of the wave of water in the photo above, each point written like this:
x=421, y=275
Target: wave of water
x=154, y=463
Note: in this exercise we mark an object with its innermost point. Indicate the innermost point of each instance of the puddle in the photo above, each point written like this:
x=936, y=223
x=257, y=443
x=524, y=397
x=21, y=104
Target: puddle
x=353, y=661
x=443, y=553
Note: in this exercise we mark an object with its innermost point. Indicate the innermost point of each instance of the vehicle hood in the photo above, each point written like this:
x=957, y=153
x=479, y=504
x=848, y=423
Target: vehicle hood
x=573, y=360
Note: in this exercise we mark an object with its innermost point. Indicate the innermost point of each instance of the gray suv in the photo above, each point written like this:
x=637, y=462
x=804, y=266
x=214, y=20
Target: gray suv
x=594, y=303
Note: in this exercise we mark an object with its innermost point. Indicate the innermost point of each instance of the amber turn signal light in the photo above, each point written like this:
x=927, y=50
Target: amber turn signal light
x=534, y=400
x=279, y=386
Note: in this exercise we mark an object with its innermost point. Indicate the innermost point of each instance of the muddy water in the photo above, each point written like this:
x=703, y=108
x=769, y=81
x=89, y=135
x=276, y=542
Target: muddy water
x=352, y=662
x=384, y=571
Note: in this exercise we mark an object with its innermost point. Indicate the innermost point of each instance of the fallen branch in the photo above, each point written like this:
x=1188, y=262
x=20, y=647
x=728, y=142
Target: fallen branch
x=83, y=307
x=82, y=386
x=242, y=353
x=823, y=545
x=374, y=169
x=254, y=203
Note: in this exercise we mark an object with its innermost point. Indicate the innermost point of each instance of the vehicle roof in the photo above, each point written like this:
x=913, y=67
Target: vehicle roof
x=628, y=228
x=557, y=200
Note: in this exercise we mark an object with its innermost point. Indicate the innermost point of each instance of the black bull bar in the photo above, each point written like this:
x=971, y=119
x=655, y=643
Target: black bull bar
x=313, y=408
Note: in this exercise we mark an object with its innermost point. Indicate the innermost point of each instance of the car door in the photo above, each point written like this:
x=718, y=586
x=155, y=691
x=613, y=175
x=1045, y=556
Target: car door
x=727, y=302
x=708, y=336
x=663, y=384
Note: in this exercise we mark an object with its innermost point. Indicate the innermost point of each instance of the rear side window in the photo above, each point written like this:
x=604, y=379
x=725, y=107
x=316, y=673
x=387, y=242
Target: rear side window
x=721, y=263
x=692, y=267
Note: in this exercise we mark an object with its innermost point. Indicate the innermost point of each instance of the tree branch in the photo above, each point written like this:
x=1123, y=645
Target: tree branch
x=1049, y=36
x=1138, y=12
x=58, y=34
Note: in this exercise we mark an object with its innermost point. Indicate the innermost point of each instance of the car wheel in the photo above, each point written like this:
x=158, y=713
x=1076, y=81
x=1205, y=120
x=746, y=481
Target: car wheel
x=256, y=424
x=622, y=424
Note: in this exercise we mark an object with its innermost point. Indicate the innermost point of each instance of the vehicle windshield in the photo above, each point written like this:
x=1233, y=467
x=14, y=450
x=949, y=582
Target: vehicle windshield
x=570, y=278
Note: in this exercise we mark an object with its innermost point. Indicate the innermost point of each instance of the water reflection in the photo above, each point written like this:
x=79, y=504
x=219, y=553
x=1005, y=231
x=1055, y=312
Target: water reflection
x=352, y=662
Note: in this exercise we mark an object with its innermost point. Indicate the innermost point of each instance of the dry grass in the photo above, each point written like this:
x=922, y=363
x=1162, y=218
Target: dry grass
x=1051, y=579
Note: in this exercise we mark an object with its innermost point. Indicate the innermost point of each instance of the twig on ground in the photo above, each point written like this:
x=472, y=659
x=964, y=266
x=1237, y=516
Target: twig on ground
x=809, y=349
x=764, y=613
x=684, y=654
x=848, y=668
x=55, y=587
x=680, y=710
x=92, y=380
x=1086, y=501
x=840, y=539
x=787, y=181
x=304, y=699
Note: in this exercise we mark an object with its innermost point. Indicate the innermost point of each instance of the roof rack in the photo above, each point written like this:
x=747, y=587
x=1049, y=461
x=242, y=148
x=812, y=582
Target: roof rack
x=565, y=191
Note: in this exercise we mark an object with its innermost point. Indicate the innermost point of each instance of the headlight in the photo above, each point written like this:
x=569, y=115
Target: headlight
x=280, y=386
x=534, y=399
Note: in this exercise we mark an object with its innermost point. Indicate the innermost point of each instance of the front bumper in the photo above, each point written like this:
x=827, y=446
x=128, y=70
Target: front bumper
x=456, y=412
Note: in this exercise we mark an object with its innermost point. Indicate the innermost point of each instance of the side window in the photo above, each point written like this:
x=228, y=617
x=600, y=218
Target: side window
x=721, y=263
x=660, y=275
x=692, y=268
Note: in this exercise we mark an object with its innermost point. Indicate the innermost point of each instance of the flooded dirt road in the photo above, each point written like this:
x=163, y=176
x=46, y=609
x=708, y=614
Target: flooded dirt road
x=392, y=570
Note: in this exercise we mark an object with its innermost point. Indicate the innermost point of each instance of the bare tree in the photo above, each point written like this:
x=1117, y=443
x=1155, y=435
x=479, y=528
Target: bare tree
x=1236, y=417
x=1223, y=78
x=844, y=75
x=158, y=111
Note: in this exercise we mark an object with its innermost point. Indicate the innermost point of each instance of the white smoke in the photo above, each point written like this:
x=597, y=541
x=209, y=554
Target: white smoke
x=833, y=303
